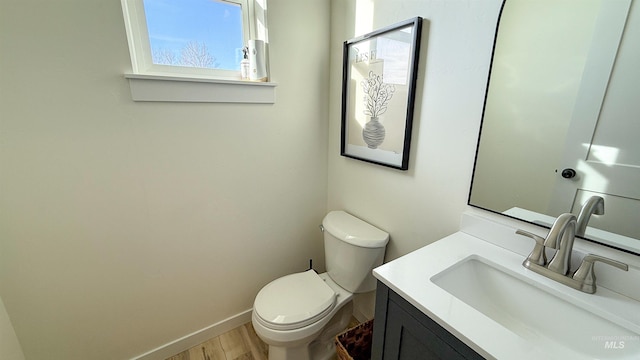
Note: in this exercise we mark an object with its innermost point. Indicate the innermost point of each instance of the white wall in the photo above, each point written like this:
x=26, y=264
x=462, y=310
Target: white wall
x=425, y=203
x=9, y=345
x=124, y=225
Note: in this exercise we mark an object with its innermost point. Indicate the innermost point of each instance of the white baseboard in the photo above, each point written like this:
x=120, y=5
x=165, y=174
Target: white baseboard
x=197, y=337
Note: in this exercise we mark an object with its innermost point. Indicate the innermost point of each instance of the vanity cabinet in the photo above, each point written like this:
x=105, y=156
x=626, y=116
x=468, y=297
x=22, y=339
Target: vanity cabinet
x=401, y=331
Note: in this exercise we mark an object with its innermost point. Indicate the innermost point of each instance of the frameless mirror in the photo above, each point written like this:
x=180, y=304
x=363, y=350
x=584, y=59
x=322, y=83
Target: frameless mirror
x=561, y=121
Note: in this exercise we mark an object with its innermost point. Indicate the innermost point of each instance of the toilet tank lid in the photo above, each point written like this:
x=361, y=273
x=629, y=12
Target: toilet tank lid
x=352, y=230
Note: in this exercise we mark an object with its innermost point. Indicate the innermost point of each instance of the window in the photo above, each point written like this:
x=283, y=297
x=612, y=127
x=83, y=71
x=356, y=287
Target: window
x=190, y=40
x=197, y=33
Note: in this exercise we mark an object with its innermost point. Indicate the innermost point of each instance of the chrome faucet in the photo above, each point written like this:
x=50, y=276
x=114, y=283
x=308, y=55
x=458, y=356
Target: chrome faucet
x=560, y=237
x=593, y=206
x=586, y=276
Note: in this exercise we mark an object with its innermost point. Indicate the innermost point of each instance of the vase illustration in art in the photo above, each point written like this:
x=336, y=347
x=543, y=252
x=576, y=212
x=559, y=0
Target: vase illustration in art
x=376, y=100
x=373, y=133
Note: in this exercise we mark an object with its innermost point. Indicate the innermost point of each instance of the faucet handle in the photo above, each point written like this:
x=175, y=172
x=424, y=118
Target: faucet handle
x=538, y=255
x=586, y=274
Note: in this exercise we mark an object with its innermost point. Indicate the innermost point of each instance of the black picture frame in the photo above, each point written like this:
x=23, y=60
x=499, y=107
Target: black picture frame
x=379, y=76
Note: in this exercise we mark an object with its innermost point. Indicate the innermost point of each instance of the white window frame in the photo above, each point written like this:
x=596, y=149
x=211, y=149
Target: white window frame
x=153, y=82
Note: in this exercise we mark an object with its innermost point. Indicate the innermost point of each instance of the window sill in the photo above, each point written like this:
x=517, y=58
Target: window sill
x=186, y=89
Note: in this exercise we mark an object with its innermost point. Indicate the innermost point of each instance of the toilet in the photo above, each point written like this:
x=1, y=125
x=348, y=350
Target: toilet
x=298, y=315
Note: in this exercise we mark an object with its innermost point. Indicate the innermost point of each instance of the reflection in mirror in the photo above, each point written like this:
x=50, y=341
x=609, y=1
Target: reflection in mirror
x=562, y=116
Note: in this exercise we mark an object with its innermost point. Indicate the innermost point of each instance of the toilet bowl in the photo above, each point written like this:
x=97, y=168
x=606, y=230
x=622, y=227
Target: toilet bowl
x=289, y=330
x=298, y=315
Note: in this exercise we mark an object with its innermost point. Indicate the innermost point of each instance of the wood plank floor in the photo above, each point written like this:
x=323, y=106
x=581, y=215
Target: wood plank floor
x=241, y=343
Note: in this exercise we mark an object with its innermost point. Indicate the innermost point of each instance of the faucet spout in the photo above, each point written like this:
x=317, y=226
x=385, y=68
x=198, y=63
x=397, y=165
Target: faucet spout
x=593, y=206
x=561, y=237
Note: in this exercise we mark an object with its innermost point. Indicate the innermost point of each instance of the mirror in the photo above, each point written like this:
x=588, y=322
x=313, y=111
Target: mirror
x=561, y=120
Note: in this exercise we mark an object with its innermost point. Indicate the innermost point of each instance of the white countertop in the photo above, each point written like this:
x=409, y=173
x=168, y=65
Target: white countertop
x=410, y=275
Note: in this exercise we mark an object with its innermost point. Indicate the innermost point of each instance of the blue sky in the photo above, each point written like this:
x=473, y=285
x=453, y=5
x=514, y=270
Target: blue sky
x=174, y=23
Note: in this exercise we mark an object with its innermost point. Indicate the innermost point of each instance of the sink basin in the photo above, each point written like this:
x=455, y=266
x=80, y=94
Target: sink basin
x=547, y=318
x=472, y=284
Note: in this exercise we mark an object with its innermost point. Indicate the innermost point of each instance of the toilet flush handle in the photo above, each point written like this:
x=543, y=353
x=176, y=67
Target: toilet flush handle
x=321, y=228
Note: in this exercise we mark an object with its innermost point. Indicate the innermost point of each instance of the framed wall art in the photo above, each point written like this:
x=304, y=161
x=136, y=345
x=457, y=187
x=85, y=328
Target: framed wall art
x=378, y=94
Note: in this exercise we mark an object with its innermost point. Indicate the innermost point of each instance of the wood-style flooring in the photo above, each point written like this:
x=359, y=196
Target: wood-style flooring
x=241, y=343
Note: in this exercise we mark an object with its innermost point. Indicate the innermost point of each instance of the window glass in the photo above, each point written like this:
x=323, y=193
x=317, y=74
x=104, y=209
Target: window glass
x=195, y=33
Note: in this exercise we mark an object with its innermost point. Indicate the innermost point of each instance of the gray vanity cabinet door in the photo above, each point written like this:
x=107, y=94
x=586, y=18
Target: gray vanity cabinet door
x=402, y=332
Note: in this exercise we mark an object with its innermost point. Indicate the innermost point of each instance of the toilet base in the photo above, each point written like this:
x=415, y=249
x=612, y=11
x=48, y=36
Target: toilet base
x=283, y=353
x=323, y=346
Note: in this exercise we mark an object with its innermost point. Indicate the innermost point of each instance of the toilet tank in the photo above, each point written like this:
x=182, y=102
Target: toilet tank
x=352, y=249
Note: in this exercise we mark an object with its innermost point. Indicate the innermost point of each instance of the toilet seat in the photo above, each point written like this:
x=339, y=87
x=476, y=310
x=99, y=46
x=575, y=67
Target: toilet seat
x=294, y=301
